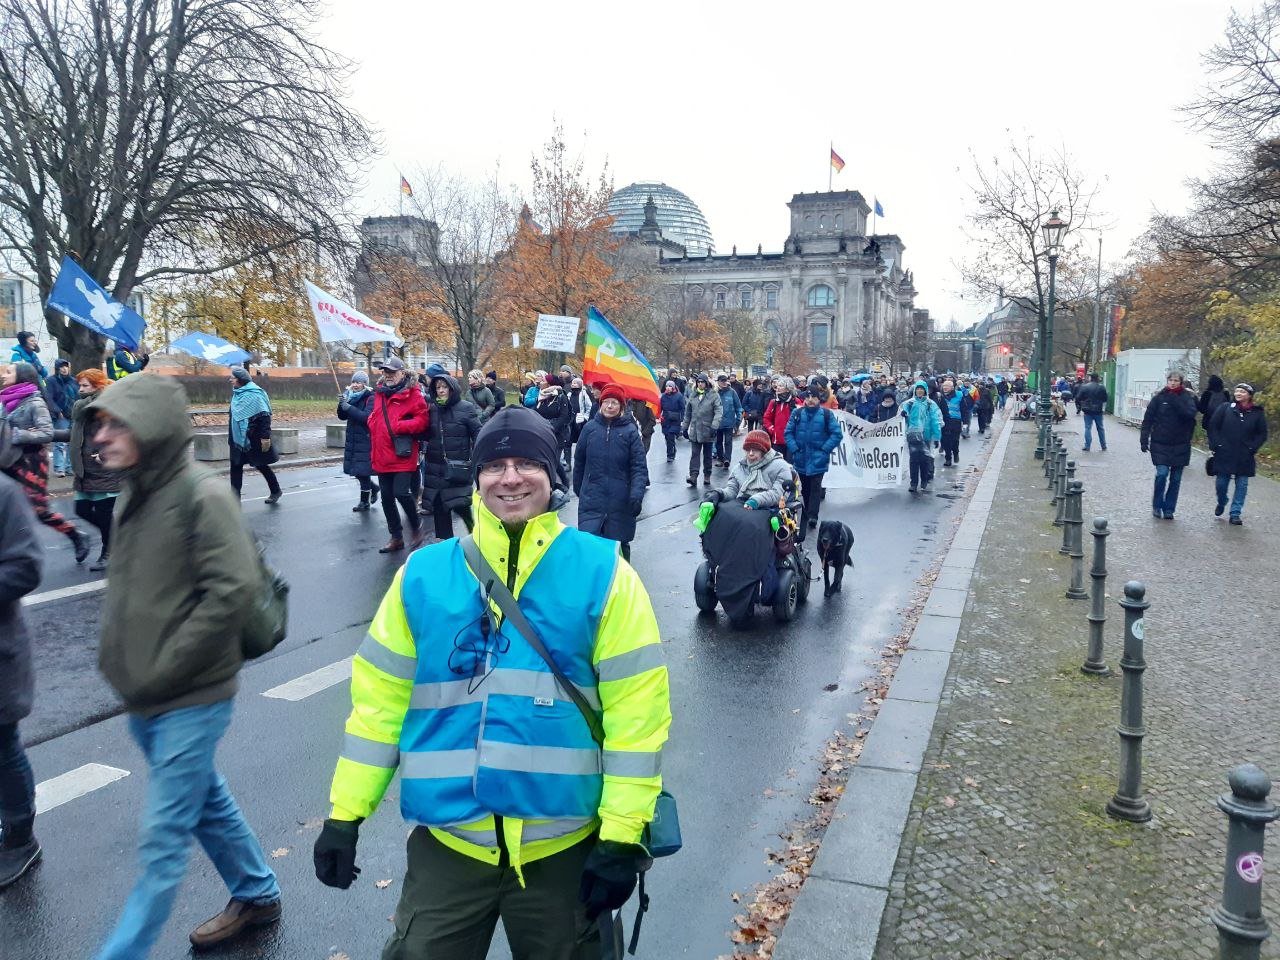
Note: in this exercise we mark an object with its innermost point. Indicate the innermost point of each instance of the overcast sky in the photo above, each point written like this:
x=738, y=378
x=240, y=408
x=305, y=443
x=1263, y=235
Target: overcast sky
x=735, y=103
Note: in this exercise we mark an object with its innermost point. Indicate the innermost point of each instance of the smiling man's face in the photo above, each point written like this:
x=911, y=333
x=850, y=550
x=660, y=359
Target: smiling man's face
x=517, y=492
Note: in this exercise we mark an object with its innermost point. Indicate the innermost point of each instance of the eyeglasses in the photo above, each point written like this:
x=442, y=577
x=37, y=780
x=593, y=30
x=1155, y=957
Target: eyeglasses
x=496, y=468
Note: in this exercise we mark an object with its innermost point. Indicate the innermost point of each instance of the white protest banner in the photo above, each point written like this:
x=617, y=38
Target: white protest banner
x=341, y=321
x=556, y=333
x=870, y=454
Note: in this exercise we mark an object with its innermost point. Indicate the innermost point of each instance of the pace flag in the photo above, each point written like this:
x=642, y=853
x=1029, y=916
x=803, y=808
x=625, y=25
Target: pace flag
x=879, y=209
x=81, y=298
x=836, y=161
x=609, y=357
x=341, y=321
x=214, y=349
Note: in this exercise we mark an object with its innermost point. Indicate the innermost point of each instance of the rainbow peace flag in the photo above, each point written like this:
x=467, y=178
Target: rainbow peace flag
x=609, y=357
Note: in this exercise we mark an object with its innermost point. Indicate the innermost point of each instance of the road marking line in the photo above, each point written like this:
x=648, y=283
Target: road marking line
x=75, y=783
x=34, y=599
x=294, y=493
x=313, y=682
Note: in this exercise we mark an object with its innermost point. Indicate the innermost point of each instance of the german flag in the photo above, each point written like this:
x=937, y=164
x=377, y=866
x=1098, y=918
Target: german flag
x=404, y=187
x=836, y=161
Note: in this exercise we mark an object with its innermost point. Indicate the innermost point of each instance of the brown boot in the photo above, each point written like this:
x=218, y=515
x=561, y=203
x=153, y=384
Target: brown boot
x=419, y=538
x=234, y=919
x=394, y=545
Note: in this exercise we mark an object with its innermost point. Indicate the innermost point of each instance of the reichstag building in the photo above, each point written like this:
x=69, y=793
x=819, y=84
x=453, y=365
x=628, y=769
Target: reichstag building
x=847, y=289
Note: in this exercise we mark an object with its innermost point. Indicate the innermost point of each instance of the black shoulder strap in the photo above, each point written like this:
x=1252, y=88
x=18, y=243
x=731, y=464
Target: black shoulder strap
x=496, y=589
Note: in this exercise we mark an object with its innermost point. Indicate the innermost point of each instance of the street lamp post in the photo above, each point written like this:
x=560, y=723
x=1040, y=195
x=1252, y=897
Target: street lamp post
x=1054, y=230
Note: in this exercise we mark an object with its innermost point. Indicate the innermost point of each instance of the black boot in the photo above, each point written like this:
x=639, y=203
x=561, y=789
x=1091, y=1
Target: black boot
x=101, y=563
x=373, y=495
x=19, y=851
x=80, y=540
x=363, y=505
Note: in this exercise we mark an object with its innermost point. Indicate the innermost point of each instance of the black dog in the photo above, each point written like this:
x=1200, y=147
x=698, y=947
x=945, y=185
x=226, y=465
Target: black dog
x=835, y=549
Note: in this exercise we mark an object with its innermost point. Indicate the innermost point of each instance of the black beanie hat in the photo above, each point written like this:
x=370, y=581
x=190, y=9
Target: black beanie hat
x=517, y=432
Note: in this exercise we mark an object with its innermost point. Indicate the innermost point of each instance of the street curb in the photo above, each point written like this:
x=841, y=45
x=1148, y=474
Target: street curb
x=837, y=914
x=58, y=491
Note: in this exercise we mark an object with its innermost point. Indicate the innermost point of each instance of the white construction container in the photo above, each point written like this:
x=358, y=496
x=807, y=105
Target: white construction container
x=1140, y=374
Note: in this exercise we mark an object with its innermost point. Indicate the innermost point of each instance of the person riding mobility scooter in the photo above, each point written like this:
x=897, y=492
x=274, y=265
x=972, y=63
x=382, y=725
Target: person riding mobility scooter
x=749, y=539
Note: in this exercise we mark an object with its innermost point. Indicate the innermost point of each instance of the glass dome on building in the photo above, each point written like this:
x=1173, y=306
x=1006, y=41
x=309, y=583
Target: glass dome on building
x=678, y=216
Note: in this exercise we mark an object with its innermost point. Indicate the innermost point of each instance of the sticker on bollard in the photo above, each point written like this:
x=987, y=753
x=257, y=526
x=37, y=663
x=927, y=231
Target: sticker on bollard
x=1139, y=629
x=1249, y=866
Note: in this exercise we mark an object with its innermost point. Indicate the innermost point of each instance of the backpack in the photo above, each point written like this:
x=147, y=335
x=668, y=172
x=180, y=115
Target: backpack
x=267, y=620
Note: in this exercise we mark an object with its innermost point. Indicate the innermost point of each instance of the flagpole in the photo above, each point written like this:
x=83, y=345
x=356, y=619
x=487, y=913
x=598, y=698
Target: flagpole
x=332, y=368
x=830, y=166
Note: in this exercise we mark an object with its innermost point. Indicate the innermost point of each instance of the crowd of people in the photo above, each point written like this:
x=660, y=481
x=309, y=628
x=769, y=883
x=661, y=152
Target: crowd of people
x=549, y=832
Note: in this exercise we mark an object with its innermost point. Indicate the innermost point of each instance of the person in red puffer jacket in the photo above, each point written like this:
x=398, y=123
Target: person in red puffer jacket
x=778, y=413
x=398, y=410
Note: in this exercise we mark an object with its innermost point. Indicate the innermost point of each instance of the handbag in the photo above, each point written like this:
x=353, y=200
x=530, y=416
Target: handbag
x=1211, y=467
x=403, y=446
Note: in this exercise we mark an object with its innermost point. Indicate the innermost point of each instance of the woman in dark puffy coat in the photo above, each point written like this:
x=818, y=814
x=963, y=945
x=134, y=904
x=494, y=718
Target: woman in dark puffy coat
x=446, y=464
x=354, y=407
x=1213, y=397
x=671, y=412
x=1238, y=432
x=553, y=406
x=609, y=471
x=1166, y=432
x=96, y=487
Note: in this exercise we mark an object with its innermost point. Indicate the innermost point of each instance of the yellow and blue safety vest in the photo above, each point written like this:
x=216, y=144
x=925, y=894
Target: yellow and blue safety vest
x=485, y=740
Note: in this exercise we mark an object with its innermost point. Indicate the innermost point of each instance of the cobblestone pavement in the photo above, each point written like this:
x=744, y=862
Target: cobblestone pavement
x=1008, y=851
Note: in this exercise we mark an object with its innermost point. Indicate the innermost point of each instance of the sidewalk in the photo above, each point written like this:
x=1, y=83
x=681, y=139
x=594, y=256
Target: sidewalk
x=311, y=451
x=1007, y=850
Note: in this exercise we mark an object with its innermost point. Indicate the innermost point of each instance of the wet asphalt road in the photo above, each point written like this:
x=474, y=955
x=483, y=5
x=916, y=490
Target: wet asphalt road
x=750, y=717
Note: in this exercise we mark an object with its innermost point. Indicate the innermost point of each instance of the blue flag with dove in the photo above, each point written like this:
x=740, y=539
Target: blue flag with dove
x=213, y=349
x=82, y=299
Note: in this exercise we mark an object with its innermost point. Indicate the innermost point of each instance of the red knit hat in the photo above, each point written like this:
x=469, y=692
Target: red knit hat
x=611, y=391
x=759, y=440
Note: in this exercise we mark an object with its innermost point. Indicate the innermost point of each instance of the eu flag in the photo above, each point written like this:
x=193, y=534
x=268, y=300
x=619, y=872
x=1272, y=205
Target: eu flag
x=879, y=209
x=78, y=296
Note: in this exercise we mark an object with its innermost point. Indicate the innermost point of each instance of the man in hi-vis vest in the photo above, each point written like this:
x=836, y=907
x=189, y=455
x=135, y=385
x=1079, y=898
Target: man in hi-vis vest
x=520, y=815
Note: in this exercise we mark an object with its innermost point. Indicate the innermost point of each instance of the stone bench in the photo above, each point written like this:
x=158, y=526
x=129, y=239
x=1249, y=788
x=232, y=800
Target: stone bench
x=284, y=440
x=212, y=446
x=335, y=435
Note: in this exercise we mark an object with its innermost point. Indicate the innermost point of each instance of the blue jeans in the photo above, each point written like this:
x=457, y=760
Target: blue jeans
x=17, y=786
x=1222, y=481
x=61, y=458
x=1091, y=420
x=186, y=797
x=1165, y=499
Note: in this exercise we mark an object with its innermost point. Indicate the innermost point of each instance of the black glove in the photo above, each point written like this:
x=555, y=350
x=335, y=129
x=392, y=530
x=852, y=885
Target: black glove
x=1144, y=448
x=713, y=496
x=636, y=507
x=609, y=875
x=335, y=853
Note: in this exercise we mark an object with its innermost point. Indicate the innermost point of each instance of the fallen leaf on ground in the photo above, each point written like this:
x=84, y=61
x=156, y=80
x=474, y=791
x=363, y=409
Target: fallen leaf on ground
x=382, y=884
x=1002, y=680
x=949, y=801
x=1003, y=720
x=279, y=852
x=970, y=782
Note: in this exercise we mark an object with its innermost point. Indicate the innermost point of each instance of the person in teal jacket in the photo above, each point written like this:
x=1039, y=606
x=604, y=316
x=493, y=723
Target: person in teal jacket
x=730, y=418
x=924, y=433
x=812, y=433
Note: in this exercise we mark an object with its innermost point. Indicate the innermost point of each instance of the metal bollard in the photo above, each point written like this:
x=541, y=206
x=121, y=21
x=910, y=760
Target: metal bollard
x=1065, y=513
x=1075, y=524
x=1064, y=478
x=1128, y=802
x=1098, y=612
x=1241, y=926
x=1050, y=461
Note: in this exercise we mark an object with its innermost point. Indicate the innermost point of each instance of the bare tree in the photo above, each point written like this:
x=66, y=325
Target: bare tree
x=474, y=223
x=1013, y=197
x=746, y=337
x=128, y=126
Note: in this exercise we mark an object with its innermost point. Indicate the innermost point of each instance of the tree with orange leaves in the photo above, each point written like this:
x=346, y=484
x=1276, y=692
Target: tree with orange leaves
x=563, y=257
x=402, y=291
x=703, y=344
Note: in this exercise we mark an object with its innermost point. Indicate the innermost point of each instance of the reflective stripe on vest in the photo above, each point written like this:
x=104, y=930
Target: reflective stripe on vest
x=488, y=731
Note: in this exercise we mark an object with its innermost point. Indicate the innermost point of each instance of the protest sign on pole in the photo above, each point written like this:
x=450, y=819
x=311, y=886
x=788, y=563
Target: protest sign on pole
x=871, y=455
x=337, y=320
x=556, y=333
